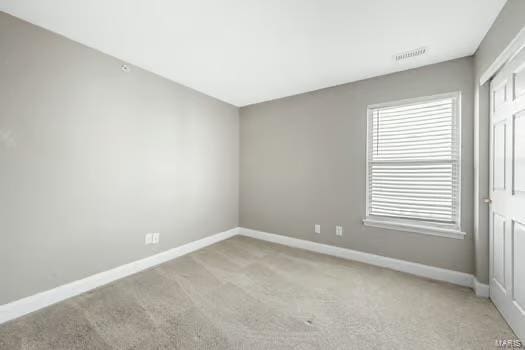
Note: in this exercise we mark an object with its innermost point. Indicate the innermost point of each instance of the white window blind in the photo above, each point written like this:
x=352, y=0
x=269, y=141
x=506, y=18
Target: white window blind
x=414, y=161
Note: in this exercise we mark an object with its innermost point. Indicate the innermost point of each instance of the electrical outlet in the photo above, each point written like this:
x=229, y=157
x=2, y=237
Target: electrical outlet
x=317, y=228
x=148, y=239
x=339, y=230
x=156, y=238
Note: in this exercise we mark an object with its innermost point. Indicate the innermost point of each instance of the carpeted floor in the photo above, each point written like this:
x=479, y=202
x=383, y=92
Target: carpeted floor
x=247, y=294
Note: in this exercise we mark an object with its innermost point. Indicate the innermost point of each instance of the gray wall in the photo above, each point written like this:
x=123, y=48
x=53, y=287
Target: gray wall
x=508, y=23
x=92, y=158
x=303, y=162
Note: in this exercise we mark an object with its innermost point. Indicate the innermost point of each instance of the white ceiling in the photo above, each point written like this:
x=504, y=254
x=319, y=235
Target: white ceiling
x=248, y=51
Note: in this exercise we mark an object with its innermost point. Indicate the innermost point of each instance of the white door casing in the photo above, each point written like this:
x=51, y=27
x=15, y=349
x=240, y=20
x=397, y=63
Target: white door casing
x=507, y=192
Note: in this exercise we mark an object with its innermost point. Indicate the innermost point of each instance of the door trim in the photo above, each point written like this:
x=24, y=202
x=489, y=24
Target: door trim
x=512, y=49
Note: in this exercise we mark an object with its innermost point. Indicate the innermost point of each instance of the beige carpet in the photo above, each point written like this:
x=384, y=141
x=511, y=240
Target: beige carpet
x=248, y=294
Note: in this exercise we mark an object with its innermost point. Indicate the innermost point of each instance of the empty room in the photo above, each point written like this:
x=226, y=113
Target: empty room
x=262, y=174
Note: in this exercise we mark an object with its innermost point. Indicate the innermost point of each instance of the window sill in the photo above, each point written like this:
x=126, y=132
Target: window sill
x=415, y=228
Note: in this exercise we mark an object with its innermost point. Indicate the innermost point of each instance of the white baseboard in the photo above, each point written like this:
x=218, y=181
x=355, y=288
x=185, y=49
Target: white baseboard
x=435, y=273
x=38, y=301
x=482, y=290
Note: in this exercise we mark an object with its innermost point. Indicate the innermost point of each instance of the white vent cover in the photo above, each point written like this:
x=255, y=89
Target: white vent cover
x=410, y=54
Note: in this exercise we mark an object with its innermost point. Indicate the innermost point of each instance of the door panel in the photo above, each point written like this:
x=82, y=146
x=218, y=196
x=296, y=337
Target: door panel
x=518, y=264
x=499, y=96
x=519, y=82
x=499, y=155
x=519, y=153
x=499, y=251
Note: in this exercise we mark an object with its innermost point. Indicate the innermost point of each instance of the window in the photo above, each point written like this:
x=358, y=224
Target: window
x=413, y=170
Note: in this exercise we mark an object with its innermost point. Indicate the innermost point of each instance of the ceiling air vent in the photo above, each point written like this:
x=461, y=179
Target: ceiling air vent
x=410, y=54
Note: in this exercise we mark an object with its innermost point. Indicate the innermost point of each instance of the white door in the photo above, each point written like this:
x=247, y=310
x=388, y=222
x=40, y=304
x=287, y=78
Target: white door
x=507, y=191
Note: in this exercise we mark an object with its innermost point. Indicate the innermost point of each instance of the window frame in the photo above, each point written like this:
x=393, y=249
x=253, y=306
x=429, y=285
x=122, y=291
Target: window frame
x=414, y=225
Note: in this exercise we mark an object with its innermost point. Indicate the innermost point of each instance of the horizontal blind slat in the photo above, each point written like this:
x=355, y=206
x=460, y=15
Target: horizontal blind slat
x=408, y=215
x=414, y=208
x=437, y=119
x=419, y=118
x=423, y=130
x=386, y=112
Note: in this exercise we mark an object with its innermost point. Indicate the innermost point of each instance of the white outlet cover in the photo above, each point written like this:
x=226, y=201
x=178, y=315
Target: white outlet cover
x=148, y=238
x=156, y=238
x=317, y=228
x=339, y=230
